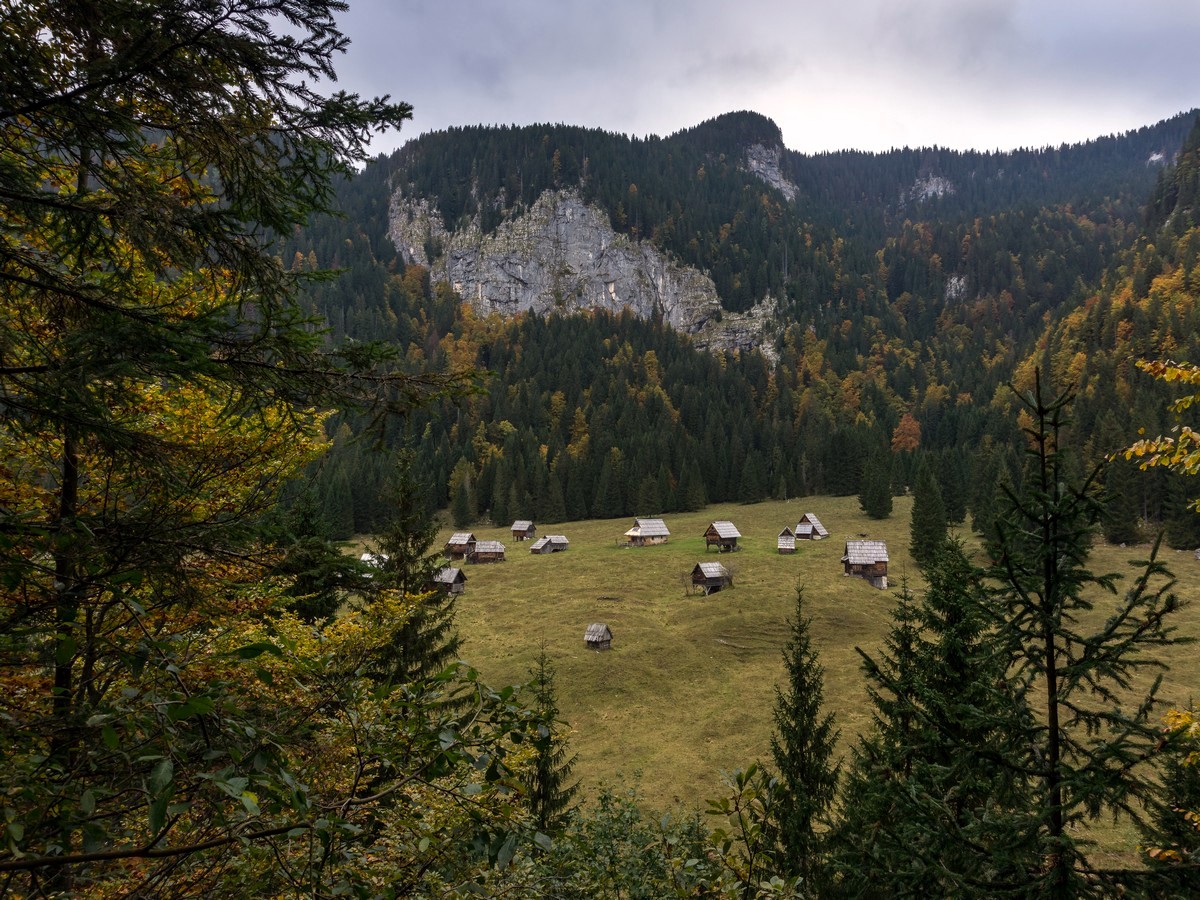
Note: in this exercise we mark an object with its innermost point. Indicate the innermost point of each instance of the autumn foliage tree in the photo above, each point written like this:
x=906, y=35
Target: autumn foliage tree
x=162, y=718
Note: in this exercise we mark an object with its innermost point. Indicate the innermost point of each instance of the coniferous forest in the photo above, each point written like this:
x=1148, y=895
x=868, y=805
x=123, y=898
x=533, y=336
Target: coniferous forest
x=215, y=366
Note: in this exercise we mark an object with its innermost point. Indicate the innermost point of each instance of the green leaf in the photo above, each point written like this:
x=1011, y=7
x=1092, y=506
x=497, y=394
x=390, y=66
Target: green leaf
x=505, y=854
x=161, y=777
x=65, y=650
x=109, y=735
x=158, y=813
x=87, y=802
x=250, y=802
x=257, y=649
x=193, y=706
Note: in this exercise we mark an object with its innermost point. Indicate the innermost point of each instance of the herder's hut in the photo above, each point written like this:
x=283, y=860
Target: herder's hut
x=598, y=637
x=486, y=552
x=449, y=580
x=523, y=530
x=711, y=577
x=550, y=543
x=787, y=541
x=867, y=559
x=722, y=535
x=460, y=545
x=647, y=531
x=374, y=560
x=809, y=528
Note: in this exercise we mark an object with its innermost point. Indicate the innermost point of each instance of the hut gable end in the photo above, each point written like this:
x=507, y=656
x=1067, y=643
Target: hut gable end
x=598, y=636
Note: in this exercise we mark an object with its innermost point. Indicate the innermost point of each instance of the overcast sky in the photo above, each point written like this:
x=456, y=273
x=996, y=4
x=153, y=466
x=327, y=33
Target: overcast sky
x=834, y=74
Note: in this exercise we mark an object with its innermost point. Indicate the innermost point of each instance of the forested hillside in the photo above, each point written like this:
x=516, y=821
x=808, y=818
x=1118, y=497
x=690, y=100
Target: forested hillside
x=912, y=285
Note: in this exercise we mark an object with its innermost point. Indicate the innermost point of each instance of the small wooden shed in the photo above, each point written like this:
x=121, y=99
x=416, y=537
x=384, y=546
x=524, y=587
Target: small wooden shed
x=550, y=543
x=460, y=545
x=867, y=559
x=648, y=531
x=723, y=535
x=711, y=577
x=809, y=528
x=598, y=637
x=523, y=530
x=787, y=541
x=486, y=552
x=449, y=580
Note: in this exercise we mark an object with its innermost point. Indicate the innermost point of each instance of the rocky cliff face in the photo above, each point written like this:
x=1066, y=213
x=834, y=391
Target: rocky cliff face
x=765, y=162
x=564, y=255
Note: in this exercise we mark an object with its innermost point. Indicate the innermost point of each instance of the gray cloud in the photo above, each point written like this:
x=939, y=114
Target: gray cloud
x=867, y=74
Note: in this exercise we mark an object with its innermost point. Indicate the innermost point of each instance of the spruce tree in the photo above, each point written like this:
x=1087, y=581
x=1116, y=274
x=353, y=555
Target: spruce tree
x=549, y=794
x=1122, y=505
x=875, y=498
x=1090, y=745
x=460, y=509
x=928, y=517
x=428, y=641
x=1181, y=522
x=934, y=813
x=322, y=575
x=802, y=746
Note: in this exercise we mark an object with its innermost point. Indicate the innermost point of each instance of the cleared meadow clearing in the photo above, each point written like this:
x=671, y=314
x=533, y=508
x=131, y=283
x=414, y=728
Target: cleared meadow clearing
x=686, y=692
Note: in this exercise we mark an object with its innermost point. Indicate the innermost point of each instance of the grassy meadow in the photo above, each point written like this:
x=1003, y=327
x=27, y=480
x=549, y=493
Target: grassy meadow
x=686, y=692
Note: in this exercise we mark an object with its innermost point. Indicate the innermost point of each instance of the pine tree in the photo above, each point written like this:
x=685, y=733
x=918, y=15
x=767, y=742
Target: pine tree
x=550, y=796
x=928, y=517
x=802, y=746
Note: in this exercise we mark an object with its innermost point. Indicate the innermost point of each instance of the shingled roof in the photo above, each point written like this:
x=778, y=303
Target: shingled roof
x=725, y=529
x=488, y=547
x=649, y=528
x=816, y=524
x=597, y=632
x=712, y=570
x=865, y=553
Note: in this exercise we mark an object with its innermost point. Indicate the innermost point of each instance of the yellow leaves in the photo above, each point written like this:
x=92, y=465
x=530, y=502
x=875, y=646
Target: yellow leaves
x=1185, y=725
x=1181, y=452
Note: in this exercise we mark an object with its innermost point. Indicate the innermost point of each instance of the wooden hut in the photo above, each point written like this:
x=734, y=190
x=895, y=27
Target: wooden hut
x=867, y=559
x=722, y=535
x=486, y=552
x=460, y=545
x=523, y=530
x=787, y=541
x=448, y=580
x=711, y=577
x=809, y=528
x=550, y=543
x=374, y=560
x=598, y=637
x=647, y=531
